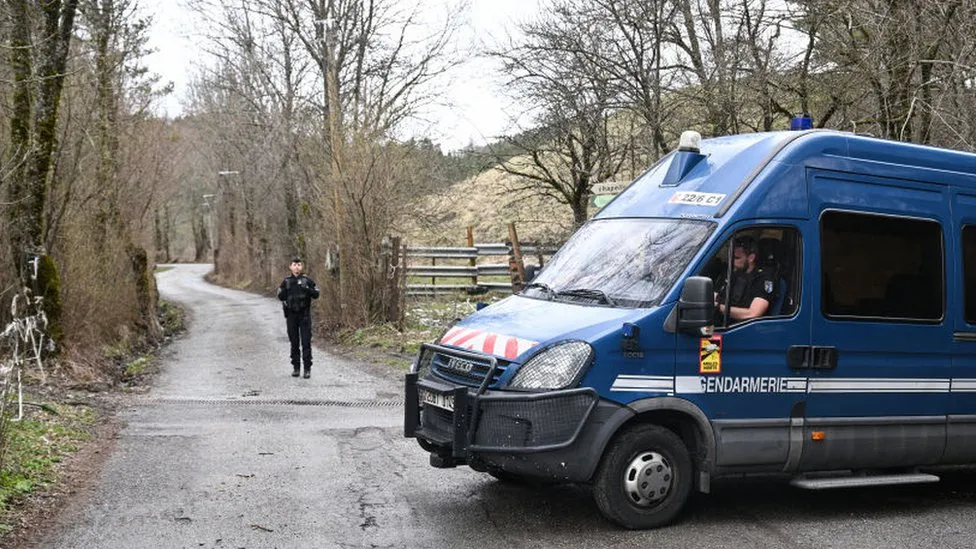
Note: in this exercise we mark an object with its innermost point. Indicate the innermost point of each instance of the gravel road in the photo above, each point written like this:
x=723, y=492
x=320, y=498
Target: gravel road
x=229, y=451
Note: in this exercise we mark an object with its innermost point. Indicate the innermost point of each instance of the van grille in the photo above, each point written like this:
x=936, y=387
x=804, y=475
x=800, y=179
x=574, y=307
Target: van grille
x=463, y=370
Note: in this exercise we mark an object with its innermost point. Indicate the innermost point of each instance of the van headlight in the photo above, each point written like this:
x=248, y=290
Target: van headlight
x=555, y=367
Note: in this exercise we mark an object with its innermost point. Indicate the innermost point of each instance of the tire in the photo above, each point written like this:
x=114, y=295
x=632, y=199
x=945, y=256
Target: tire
x=645, y=452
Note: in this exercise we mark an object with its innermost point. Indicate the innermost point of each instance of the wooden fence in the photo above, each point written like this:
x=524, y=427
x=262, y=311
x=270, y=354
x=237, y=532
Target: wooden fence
x=460, y=269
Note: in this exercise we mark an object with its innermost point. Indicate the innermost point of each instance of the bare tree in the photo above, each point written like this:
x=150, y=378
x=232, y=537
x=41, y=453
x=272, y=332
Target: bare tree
x=710, y=57
x=114, y=41
x=365, y=67
x=38, y=58
x=72, y=190
x=571, y=102
x=636, y=64
x=906, y=57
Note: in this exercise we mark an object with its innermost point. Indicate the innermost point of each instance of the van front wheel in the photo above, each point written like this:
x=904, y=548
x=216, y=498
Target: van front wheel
x=644, y=479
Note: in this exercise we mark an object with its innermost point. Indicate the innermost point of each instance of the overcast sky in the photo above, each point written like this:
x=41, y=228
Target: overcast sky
x=480, y=111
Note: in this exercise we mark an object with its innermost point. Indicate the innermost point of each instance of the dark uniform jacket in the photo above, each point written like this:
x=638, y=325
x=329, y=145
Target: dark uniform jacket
x=296, y=294
x=748, y=286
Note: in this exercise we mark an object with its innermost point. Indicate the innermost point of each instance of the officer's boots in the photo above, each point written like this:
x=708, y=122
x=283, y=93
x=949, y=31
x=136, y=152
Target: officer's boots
x=295, y=372
x=308, y=372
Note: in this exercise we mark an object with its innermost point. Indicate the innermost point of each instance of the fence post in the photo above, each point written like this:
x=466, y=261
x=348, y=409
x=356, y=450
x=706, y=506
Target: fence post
x=474, y=260
x=402, y=291
x=433, y=279
x=396, y=272
x=385, y=273
x=516, y=266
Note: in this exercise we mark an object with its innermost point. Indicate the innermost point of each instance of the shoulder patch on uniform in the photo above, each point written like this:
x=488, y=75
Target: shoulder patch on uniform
x=768, y=286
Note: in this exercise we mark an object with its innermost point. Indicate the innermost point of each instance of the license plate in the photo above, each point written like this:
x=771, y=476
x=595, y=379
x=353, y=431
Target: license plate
x=445, y=401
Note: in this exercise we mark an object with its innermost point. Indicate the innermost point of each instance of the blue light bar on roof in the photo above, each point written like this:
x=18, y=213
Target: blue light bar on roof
x=801, y=122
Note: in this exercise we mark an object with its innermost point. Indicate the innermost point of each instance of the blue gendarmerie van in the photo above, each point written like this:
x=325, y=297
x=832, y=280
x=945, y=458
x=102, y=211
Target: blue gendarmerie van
x=798, y=303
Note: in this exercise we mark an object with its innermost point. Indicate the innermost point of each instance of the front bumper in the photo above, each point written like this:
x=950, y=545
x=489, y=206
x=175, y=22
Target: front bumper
x=552, y=435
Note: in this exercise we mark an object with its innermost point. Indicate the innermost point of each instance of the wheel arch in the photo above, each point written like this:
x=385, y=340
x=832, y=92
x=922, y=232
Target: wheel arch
x=680, y=416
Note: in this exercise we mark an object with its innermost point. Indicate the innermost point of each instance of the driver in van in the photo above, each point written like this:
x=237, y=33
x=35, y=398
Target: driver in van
x=752, y=289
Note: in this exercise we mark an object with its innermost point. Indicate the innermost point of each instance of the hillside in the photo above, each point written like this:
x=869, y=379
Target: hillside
x=487, y=203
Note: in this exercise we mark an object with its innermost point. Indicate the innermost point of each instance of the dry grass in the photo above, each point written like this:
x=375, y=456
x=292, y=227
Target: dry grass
x=487, y=203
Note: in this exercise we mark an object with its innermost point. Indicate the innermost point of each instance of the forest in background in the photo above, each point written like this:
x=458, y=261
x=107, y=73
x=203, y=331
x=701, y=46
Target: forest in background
x=297, y=137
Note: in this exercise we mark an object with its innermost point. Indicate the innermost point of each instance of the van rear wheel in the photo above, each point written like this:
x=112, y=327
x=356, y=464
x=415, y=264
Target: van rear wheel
x=644, y=479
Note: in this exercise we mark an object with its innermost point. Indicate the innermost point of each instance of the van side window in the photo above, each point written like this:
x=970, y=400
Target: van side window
x=876, y=266
x=969, y=271
x=756, y=274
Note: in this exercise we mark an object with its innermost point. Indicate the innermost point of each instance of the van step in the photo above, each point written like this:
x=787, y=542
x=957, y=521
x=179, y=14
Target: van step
x=825, y=483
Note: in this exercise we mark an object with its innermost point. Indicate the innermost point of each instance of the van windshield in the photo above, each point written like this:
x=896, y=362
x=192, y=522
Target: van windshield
x=621, y=262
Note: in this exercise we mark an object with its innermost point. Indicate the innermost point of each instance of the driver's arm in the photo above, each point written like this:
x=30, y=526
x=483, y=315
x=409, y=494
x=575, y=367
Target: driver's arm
x=757, y=308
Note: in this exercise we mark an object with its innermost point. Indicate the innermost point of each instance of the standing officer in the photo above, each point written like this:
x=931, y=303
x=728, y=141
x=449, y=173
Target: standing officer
x=296, y=294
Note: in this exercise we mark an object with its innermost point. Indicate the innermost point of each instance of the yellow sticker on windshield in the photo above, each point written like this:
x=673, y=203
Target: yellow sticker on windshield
x=710, y=357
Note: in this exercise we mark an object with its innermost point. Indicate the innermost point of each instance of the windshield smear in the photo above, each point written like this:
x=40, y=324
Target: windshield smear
x=621, y=262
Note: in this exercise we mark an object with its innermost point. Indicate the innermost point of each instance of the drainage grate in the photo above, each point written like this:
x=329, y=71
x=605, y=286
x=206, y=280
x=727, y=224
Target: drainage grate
x=278, y=402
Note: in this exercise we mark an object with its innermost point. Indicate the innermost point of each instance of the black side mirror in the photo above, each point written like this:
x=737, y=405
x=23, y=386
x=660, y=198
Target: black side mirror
x=696, y=306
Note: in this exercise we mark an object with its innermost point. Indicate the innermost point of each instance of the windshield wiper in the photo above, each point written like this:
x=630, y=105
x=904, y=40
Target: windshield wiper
x=544, y=287
x=587, y=292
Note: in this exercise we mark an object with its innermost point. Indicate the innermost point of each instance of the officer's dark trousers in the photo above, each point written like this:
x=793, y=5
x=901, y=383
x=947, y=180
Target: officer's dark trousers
x=300, y=326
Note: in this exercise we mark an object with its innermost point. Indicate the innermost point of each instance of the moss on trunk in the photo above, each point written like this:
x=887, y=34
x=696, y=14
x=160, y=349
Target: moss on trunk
x=49, y=287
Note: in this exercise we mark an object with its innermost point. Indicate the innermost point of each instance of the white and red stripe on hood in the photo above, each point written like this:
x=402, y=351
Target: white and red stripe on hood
x=491, y=343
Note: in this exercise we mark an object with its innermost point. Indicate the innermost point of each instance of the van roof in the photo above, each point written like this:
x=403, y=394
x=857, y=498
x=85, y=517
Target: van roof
x=732, y=163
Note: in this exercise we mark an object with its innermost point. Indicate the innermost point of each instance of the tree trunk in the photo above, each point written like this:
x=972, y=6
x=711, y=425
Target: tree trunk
x=21, y=137
x=33, y=134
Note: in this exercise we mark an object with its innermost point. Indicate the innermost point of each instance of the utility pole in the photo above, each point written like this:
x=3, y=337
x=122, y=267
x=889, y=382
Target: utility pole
x=208, y=202
x=223, y=205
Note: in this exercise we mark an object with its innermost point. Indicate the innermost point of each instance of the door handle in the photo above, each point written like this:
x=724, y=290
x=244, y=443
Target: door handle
x=824, y=358
x=798, y=357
